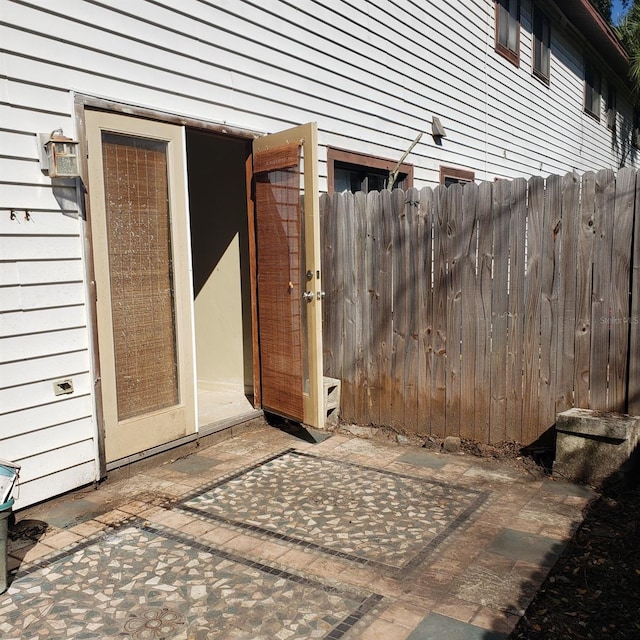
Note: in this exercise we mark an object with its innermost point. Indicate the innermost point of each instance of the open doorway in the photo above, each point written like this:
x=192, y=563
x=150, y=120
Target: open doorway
x=221, y=277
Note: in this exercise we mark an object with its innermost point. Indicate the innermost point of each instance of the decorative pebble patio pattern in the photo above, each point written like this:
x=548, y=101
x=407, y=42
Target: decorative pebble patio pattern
x=374, y=517
x=142, y=582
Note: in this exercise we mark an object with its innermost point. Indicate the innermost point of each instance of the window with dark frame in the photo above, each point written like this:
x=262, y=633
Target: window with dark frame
x=508, y=29
x=451, y=175
x=612, y=109
x=541, y=44
x=635, y=131
x=592, y=90
x=351, y=171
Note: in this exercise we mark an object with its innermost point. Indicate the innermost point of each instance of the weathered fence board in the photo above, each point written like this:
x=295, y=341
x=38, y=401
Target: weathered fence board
x=453, y=204
x=634, y=320
x=515, y=329
x=402, y=289
x=374, y=255
x=412, y=361
x=531, y=356
x=424, y=291
x=549, y=300
x=331, y=281
x=584, y=275
x=565, y=359
x=499, y=310
x=603, y=222
x=620, y=282
x=484, y=310
x=348, y=245
x=361, y=304
x=439, y=331
x=383, y=323
x=468, y=246
x=482, y=396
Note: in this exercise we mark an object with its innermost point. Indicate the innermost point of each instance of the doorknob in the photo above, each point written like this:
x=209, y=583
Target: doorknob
x=320, y=295
x=308, y=296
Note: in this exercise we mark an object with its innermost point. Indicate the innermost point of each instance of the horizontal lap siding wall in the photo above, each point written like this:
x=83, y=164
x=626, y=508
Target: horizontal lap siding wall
x=43, y=319
x=534, y=128
x=372, y=74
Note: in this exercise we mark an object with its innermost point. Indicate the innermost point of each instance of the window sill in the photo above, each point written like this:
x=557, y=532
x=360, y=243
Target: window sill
x=591, y=114
x=512, y=56
x=545, y=80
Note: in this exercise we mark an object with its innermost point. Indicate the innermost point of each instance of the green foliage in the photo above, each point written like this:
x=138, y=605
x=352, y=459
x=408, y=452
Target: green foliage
x=629, y=33
x=604, y=7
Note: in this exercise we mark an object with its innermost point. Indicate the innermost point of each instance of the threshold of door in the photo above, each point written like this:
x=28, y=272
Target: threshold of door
x=208, y=435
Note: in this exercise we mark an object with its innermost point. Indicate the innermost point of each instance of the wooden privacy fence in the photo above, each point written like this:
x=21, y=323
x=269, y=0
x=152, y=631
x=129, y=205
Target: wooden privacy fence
x=484, y=310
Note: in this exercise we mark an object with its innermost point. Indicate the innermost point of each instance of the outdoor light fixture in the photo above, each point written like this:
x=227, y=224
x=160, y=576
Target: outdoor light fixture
x=60, y=157
x=437, y=130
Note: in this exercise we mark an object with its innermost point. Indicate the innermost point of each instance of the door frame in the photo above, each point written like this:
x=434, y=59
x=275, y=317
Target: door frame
x=127, y=437
x=82, y=103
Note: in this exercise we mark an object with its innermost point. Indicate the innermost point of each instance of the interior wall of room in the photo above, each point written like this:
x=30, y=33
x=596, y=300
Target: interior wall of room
x=220, y=256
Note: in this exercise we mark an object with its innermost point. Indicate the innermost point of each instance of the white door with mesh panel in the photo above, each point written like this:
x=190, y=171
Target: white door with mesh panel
x=140, y=240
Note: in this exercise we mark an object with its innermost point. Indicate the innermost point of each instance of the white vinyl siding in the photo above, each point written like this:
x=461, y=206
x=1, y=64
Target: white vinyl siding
x=43, y=320
x=370, y=77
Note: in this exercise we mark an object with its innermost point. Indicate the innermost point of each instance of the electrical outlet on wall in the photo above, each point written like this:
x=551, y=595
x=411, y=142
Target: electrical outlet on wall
x=63, y=387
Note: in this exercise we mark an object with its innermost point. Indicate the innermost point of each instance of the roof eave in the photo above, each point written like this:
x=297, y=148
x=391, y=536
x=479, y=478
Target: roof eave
x=588, y=20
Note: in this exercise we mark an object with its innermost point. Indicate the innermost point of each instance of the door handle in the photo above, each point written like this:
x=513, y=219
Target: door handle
x=308, y=296
x=320, y=295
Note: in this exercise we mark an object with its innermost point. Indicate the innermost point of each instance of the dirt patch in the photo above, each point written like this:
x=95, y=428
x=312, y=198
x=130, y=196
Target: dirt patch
x=535, y=462
x=593, y=591
x=29, y=530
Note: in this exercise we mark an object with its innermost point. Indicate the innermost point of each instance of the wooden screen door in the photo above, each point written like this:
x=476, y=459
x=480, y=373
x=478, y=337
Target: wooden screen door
x=140, y=243
x=289, y=286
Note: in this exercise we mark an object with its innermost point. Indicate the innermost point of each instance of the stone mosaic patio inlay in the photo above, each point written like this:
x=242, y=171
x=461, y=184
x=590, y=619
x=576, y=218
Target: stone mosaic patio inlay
x=138, y=581
x=371, y=516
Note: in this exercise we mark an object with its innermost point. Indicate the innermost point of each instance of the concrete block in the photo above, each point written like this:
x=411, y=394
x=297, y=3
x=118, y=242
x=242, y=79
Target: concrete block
x=592, y=446
x=331, y=401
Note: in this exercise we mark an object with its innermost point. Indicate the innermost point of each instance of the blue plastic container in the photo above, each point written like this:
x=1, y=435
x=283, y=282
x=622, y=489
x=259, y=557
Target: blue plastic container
x=5, y=512
x=9, y=472
x=8, y=477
